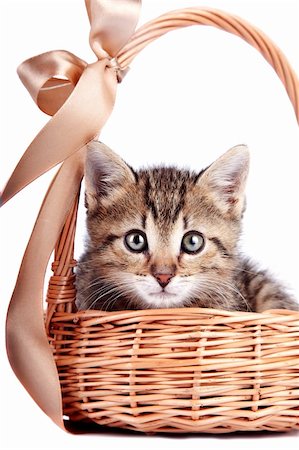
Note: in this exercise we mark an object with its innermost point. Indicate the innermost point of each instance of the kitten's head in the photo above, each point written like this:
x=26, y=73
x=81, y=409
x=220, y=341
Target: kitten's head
x=161, y=237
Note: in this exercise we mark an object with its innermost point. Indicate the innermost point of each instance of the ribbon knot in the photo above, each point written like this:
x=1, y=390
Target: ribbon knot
x=73, y=91
x=120, y=72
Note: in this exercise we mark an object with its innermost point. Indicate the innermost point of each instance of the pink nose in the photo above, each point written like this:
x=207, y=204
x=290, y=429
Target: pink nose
x=163, y=278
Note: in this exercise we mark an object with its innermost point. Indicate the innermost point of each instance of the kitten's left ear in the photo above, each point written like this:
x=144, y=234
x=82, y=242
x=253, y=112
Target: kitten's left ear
x=225, y=180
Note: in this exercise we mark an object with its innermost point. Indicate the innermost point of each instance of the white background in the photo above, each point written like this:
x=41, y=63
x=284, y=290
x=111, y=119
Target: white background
x=187, y=99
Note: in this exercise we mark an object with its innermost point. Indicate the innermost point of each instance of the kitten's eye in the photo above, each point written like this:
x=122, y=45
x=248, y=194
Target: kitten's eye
x=136, y=241
x=192, y=242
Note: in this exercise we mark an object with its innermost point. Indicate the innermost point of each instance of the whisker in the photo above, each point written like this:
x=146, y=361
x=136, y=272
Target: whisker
x=231, y=287
x=114, y=292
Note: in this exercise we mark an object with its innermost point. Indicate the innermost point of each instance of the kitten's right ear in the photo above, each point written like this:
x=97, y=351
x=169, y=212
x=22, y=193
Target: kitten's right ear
x=105, y=174
x=225, y=180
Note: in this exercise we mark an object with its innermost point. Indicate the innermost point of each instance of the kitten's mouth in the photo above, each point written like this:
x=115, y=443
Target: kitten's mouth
x=162, y=293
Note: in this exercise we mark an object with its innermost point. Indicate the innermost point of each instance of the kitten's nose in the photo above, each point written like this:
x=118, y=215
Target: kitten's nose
x=163, y=278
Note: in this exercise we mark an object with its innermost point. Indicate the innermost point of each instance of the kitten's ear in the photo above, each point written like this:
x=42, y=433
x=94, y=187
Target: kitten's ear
x=226, y=179
x=105, y=174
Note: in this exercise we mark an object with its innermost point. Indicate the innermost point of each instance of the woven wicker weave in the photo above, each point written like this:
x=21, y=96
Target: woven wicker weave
x=190, y=370
x=176, y=370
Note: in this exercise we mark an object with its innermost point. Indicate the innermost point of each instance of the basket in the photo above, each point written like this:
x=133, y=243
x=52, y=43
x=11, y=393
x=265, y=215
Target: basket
x=181, y=371
x=170, y=370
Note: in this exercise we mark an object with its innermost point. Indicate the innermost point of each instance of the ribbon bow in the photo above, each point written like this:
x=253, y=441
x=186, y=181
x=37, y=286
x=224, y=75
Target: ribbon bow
x=80, y=97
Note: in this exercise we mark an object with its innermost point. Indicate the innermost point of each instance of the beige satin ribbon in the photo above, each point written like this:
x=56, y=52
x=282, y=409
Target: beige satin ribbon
x=80, y=97
x=67, y=87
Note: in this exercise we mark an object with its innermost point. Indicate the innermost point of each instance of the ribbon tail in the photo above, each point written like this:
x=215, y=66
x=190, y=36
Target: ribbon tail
x=27, y=345
x=78, y=121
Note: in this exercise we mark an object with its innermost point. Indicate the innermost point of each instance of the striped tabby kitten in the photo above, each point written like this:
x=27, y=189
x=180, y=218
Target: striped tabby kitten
x=164, y=237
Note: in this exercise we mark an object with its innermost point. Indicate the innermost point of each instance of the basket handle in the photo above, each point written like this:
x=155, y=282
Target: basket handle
x=143, y=37
x=224, y=21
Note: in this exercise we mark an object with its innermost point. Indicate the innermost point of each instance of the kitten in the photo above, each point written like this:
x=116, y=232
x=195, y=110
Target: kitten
x=164, y=237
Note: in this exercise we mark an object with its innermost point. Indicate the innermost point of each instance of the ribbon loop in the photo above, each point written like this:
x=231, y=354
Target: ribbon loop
x=51, y=77
x=112, y=25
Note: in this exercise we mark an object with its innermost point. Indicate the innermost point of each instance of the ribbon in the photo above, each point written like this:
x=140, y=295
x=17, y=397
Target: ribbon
x=63, y=85
x=80, y=97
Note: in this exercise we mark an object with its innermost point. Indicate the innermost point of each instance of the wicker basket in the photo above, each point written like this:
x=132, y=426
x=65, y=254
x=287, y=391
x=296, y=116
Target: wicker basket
x=190, y=370
x=175, y=370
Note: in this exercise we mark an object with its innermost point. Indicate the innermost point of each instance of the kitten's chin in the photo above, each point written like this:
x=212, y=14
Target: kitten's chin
x=163, y=299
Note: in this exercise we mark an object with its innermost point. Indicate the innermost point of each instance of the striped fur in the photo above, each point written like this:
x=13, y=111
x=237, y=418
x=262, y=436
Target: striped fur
x=165, y=203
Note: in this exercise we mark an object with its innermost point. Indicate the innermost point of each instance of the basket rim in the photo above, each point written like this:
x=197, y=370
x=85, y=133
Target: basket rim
x=158, y=313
